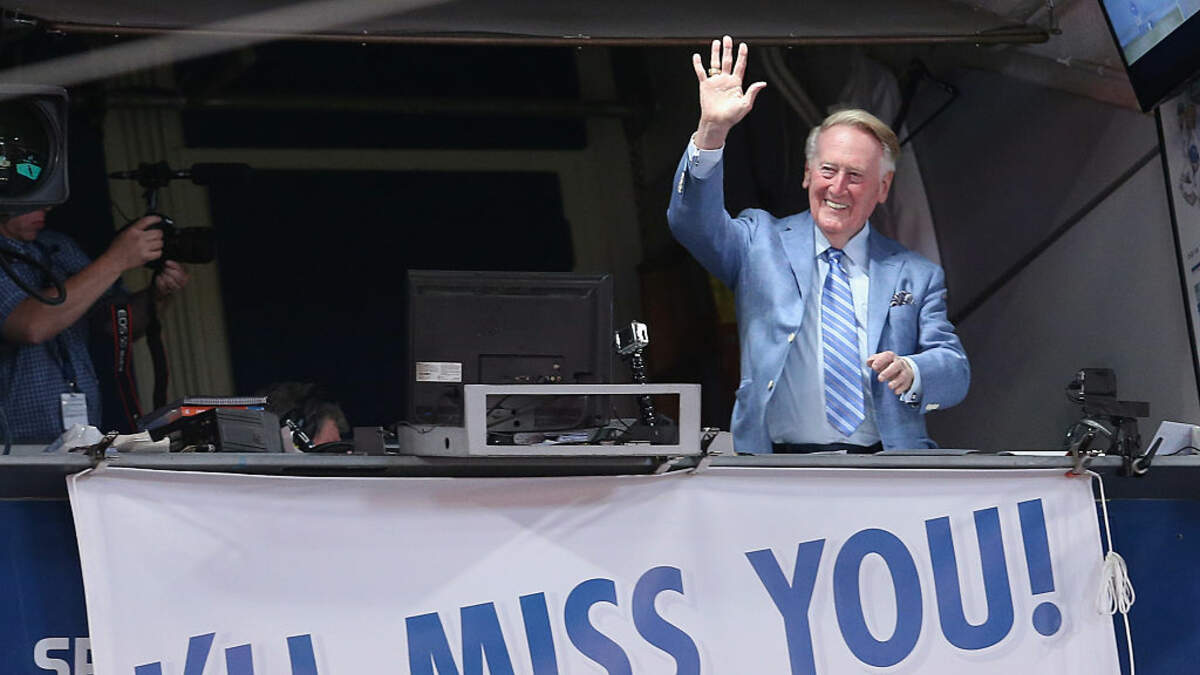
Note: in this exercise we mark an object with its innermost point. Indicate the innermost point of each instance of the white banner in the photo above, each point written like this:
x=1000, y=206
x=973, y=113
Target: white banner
x=732, y=571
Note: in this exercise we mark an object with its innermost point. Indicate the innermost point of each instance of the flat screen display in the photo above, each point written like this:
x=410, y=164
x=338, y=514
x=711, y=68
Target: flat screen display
x=507, y=328
x=1140, y=25
x=1159, y=41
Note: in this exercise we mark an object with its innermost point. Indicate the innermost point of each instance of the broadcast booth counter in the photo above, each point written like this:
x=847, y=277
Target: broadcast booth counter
x=594, y=562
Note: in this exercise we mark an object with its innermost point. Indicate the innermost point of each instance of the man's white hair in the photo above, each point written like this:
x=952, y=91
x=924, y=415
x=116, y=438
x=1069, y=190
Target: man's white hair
x=864, y=120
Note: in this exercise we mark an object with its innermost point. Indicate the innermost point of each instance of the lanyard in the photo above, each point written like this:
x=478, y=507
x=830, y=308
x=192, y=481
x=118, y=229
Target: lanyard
x=58, y=350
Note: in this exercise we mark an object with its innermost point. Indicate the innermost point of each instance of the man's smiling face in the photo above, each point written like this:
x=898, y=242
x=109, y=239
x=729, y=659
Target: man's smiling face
x=845, y=180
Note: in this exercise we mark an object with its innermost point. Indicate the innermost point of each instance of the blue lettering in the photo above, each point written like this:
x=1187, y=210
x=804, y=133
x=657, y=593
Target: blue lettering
x=1047, y=618
x=239, y=660
x=538, y=634
x=197, y=654
x=793, y=599
x=428, y=648
x=483, y=639
x=589, y=641
x=300, y=653
x=197, y=657
x=657, y=630
x=848, y=600
x=1037, y=546
x=955, y=626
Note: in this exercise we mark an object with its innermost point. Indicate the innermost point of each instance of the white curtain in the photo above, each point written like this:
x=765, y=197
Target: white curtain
x=194, y=330
x=906, y=216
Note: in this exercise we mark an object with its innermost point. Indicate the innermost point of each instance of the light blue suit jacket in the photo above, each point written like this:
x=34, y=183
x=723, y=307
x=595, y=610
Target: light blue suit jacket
x=768, y=262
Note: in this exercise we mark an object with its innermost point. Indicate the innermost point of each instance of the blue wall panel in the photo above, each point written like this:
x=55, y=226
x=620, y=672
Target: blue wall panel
x=41, y=589
x=1160, y=541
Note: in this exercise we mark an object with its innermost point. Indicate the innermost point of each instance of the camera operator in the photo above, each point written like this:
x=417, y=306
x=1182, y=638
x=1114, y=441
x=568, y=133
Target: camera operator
x=47, y=381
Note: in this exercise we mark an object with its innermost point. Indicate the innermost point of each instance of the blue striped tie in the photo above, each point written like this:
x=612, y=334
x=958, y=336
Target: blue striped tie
x=844, y=406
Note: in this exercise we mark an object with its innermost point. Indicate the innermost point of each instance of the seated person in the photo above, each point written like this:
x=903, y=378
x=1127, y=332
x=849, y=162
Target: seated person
x=317, y=418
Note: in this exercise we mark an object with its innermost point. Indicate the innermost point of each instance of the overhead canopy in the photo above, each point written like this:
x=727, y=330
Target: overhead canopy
x=1064, y=44
x=595, y=20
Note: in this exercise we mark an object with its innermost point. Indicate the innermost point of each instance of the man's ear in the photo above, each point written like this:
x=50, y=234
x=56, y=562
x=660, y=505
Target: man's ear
x=806, y=172
x=887, y=186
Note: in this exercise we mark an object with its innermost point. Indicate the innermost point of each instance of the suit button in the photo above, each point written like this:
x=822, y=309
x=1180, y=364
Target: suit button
x=770, y=385
x=791, y=337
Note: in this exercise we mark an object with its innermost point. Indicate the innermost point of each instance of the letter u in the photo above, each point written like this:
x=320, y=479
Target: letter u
x=958, y=631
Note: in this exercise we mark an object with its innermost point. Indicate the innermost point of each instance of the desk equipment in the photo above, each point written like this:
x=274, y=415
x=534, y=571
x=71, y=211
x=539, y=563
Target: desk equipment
x=1172, y=438
x=1095, y=389
x=481, y=404
x=501, y=328
x=223, y=430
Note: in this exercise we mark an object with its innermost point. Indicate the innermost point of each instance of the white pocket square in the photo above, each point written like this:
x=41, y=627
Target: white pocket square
x=901, y=298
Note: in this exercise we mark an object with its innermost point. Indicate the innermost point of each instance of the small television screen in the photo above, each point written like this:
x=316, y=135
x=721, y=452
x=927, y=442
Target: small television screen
x=1159, y=41
x=508, y=328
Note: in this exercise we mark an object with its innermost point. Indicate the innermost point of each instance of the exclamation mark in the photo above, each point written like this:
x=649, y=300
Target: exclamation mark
x=1047, y=618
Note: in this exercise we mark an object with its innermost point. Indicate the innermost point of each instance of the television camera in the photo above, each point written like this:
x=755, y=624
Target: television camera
x=1095, y=389
x=192, y=244
x=33, y=166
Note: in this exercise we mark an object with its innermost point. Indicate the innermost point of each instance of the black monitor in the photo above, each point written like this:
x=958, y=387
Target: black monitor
x=507, y=328
x=1159, y=41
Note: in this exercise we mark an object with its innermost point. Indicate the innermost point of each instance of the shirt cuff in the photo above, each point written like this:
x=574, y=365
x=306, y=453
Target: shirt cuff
x=913, y=395
x=702, y=163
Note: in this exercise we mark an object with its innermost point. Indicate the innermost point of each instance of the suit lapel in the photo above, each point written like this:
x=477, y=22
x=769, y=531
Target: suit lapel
x=884, y=270
x=797, y=240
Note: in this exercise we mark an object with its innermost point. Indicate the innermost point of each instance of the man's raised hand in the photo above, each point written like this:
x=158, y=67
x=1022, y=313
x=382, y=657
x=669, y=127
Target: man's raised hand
x=722, y=101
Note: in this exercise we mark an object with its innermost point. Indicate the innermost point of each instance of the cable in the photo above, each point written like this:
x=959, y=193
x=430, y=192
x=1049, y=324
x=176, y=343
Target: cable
x=617, y=417
x=6, y=265
x=539, y=402
x=154, y=341
x=414, y=427
x=495, y=407
x=333, y=446
x=790, y=88
x=121, y=212
x=7, y=431
x=577, y=425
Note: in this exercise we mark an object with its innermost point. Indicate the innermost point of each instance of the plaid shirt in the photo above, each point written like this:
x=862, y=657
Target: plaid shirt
x=33, y=376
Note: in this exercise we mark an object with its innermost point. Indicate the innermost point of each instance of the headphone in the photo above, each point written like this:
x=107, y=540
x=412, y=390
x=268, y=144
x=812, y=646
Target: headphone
x=294, y=419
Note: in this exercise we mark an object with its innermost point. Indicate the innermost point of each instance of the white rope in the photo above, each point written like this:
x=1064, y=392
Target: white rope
x=1116, y=590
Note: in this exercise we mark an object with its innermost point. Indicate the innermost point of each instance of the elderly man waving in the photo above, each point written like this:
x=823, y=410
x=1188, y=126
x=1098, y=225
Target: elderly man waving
x=845, y=344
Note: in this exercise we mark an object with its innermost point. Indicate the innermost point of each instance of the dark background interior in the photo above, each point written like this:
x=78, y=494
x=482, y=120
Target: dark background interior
x=312, y=263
